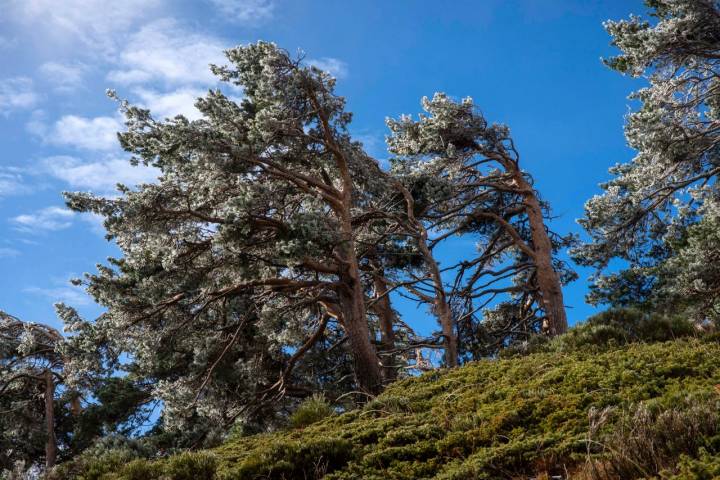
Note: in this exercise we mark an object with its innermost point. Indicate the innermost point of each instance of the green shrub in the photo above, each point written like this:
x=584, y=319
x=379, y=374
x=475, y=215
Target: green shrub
x=106, y=456
x=522, y=417
x=311, y=410
x=308, y=459
x=141, y=470
x=702, y=467
x=610, y=329
x=191, y=466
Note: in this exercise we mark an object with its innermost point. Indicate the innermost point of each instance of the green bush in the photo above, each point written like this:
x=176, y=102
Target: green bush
x=530, y=416
x=141, y=470
x=191, y=466
x=308, y=459
x=311, y=410
x=610, y=329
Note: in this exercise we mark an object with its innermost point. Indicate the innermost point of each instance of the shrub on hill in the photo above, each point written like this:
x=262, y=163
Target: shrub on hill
x=610, y=329
x=519, y=417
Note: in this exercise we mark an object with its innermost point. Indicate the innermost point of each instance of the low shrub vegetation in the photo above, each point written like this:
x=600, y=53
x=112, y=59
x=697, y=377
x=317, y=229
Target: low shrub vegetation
x=584, y=413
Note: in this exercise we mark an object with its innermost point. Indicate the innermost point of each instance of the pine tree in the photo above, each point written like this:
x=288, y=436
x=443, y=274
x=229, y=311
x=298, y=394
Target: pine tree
x=646, y=211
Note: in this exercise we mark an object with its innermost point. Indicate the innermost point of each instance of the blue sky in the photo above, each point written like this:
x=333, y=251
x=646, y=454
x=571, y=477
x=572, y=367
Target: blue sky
x=533, y=64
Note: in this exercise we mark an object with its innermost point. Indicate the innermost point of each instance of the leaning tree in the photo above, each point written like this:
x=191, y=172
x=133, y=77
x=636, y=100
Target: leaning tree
x=647, y=213
x=466, y=180
x=248, y=253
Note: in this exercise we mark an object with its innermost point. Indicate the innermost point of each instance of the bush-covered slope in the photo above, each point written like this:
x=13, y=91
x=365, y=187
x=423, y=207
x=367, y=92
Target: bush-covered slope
x=519, y=417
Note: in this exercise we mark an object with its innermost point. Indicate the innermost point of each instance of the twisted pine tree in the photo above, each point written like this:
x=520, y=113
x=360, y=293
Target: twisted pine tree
x=245, y=256
x=466, y=179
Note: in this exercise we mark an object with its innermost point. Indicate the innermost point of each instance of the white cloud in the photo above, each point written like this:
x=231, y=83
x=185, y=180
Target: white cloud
x=12, y=182
x=64, y=77
x=333, y=66
x=17, y=93
x=100, y=176
x=70, y=295
x=92, y=22
x=167, y=105
x=245, y=11
x=44, y=220
x=98, y=133
x=163, y=51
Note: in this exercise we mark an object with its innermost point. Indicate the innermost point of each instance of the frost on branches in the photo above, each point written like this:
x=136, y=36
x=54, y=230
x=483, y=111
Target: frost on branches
x=652, y=211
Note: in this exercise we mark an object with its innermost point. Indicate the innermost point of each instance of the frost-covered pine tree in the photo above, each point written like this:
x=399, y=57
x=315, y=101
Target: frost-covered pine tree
x=465, y=178
x=645, y=212
x=30, y=371
x=245, y=256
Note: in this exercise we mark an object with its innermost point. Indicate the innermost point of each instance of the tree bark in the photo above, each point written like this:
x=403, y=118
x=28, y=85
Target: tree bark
x=352, y=303
x=442, y=308
x=386, y=320
x=351, y=293
x=548, y=279
x=440, y=304
x=51, y=442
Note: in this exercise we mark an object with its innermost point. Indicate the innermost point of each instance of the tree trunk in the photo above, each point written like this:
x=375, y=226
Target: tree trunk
x=548, y=279
x=386, y=319
x=442, y=308
x=51, y=443
x=352, y=303
x=351, y=293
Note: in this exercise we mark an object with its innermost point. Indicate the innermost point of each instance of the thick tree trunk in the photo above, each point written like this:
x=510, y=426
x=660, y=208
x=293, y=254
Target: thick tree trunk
x=548, y=279
x=352, y=303
x=386, y=319
x=51, y=443
x=352, y=299
x=351, y=293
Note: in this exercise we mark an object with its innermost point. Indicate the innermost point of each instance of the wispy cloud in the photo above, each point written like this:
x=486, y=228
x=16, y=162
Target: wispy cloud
x=12, y=182
x=44, y=220
x=17, y=93
x=335, y=67
x=176, y=102
x=64, y=77
x=98, y=176
x=245, y=11
x=165, y=52
x=7, y=252
x=97, y=133
x=94, y=23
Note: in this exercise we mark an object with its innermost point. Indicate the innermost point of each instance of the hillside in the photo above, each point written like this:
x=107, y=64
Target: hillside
x=626, y=412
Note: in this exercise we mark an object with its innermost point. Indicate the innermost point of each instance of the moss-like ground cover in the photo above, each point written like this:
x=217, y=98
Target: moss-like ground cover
x=519, y=417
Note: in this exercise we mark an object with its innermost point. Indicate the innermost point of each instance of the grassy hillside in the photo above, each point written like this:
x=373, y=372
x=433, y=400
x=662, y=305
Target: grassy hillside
x=625, y=412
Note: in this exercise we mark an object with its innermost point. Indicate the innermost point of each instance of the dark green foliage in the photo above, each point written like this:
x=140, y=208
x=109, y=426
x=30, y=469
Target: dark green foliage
x=509, y=418
x=125, y=463
x=310, y=411
x=106, y=456
x=612, y=328
x=305, y=458
x=191, y=466
x=704, y=467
